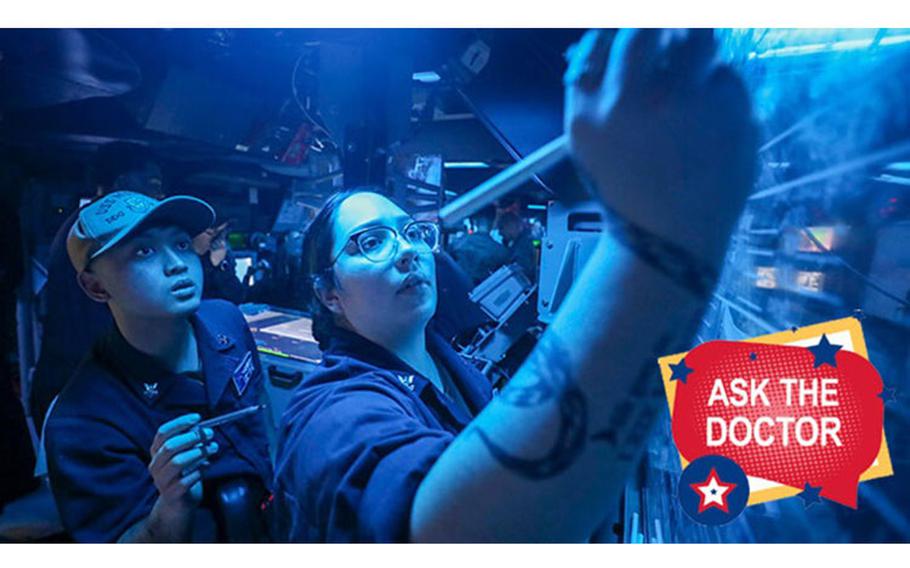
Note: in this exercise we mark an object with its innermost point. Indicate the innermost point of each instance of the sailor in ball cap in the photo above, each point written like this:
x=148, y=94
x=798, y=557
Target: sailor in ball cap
x=125, y=458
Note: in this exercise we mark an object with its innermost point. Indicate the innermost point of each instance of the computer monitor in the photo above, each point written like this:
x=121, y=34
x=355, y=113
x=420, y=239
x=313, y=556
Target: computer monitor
x=244, y=261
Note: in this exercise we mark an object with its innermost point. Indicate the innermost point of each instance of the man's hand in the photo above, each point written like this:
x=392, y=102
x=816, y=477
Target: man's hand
x=213, y=241
x=178, y=452
x=664, y=131
x=218, y=251
x=202, y=242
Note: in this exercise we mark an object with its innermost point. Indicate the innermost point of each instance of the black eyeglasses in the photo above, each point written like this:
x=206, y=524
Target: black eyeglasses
x=379, y=244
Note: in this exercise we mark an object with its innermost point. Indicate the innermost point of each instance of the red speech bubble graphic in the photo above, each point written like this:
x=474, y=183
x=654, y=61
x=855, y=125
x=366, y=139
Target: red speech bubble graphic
x=786, y=414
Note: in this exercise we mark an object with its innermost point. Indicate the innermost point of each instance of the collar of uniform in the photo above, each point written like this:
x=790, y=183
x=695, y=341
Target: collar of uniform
x=216, y=337
x=216, y=348
x=347, y=343
x=474, y=387
x=145, y=375
x=142, y=373
x=350, y=344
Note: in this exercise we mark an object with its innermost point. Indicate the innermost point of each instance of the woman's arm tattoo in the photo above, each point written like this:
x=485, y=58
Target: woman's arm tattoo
x=628, y=424
x=549, y=367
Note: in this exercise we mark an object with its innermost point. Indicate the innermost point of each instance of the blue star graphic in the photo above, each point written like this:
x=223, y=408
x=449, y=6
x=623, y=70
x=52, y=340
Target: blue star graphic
x=753, y=356
x=824, y=352
x=680, y=371
x=810, y=495
x=888, y=394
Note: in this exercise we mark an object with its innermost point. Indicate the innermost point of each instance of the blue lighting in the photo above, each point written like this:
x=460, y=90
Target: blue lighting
x=894, y=40
x=788, y=44
x=465, y=165
x=426, y=77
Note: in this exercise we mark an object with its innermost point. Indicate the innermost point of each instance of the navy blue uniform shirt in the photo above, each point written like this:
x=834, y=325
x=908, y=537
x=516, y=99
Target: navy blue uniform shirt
x=358, y=437
x=99, y=433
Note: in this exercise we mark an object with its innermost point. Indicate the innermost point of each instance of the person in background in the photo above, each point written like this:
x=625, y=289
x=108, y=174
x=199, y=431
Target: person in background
x=477, y=253
x=517, y=238
x=218, y=265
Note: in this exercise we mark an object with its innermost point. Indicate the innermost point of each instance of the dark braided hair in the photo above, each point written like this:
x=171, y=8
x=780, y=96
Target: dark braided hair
x=317, y=254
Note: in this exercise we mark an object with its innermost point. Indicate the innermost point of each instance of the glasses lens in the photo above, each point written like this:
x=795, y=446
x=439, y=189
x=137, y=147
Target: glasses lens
x=377, y=244
x=423, y=235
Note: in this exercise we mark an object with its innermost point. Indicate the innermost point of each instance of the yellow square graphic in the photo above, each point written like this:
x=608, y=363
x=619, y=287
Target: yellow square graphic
x=846, y=332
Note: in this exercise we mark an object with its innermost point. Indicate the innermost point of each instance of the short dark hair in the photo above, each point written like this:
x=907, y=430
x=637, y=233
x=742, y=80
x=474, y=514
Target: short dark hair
x=317, y=247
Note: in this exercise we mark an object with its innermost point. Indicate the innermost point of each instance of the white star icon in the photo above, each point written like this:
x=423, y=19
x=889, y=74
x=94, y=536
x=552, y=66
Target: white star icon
x=714, y=492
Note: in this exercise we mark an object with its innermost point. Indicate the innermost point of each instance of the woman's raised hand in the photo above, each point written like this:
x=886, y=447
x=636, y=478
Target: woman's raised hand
x=664, y=132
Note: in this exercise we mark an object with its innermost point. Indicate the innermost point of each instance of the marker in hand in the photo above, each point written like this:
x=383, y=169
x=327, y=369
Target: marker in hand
x=230, y=416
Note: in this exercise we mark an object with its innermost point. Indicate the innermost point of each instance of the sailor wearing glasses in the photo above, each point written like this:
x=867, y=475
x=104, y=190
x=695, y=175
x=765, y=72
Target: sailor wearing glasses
x=390, y=395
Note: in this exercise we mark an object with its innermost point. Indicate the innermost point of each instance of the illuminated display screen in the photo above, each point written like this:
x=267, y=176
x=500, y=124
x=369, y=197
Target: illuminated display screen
x=236, y=240
x=824, y=235
x=284, y=333
x=812, y=281
x=766, y=277
x=243, y=265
